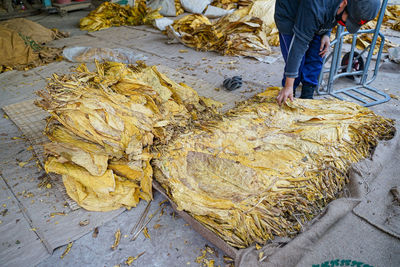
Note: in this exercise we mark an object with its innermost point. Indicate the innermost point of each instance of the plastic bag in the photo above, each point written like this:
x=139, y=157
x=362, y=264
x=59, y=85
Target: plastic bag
x=162, y=23
x=167, y=7
x=88, y=54
x=213, y=12
x=195, y=6
x=394, y=54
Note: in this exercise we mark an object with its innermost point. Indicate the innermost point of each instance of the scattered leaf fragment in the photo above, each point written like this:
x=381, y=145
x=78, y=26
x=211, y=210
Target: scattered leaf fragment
x=210, y=250
x=200, y=258
x=162, y=202
x=146, y=233
x=209, y=263
x=29, y=148
x=227, y=259
x=260, y=255
x=132, y=259
x=117, y=239
x=84, y=222
x=156, y=226
x=5, y=116
x=4, y=212
x=394, y=96
x=95, y=232
x=258, y=246
x=67, y=250
x=183, y=51
x=48, y=186
x=58, y=213
x=22, y=164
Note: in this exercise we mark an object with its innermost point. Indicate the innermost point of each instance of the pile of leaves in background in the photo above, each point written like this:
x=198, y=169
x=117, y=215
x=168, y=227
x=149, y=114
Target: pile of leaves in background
x=263, y=171
x=392, y=17
x=109, y=14
x=179, y=8
x=23, y=45
x=226, y=4
x=390, y=20
x=103, y=125
x=242, y=33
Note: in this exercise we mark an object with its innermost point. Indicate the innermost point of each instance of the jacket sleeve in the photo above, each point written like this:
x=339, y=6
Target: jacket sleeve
x=305, y=27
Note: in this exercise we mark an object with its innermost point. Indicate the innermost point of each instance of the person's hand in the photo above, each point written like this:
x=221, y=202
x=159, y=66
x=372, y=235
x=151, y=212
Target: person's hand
x=284, y=94
x=325, y=44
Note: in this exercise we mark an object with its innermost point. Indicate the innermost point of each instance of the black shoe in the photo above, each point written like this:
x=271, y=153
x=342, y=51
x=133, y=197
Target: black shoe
x=307, y=92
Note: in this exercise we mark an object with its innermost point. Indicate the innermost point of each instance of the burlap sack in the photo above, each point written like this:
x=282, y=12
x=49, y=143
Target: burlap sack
x=31, y=29
x=13, y=50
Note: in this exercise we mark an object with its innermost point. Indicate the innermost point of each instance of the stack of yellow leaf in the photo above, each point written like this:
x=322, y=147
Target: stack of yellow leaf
x=392, y=17
x=225, y=4
x=102, y=127
x=244, y=3
x=239, y=33
x=109, y=14
x=262, y=171
x=178, y=7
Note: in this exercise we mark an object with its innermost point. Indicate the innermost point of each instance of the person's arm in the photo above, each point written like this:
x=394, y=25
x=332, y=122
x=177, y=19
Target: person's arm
x=286, y=92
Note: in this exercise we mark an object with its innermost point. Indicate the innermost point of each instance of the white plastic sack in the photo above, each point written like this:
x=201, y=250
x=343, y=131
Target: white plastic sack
x=167, y=7
x=195, y=6
x=213, y=12
x=394, y=54
x=162, y=23
x=89, y=54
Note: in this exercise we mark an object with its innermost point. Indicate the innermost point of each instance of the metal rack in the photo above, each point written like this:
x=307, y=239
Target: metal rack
x=63, y=9
x=363, y=93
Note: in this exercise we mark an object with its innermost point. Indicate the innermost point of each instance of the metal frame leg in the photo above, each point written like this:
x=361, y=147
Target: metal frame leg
x=371, y=96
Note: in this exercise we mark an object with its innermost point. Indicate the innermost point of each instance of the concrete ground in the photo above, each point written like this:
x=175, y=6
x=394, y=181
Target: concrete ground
x=172, y=242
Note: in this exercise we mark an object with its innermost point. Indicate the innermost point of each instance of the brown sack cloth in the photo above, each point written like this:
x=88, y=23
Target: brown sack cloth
x=31, y=29
x=13, y=50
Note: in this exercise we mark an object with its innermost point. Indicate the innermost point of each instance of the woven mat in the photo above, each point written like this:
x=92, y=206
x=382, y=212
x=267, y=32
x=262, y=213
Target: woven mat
x=31, y=120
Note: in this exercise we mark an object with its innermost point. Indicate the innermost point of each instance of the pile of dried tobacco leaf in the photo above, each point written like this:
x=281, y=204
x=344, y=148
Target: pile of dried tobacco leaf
x=263, y=170
x=246, y=32
x=109, y=14
x=103, y=125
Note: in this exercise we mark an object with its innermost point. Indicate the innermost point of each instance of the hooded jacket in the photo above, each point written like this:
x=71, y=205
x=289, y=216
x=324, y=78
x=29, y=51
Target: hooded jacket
x=303, y=19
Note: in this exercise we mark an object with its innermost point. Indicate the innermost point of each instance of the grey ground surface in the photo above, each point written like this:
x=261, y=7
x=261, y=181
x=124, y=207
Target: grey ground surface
x=172, y=242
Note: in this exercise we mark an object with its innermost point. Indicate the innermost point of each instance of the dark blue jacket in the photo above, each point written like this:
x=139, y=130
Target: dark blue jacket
x=303, y=19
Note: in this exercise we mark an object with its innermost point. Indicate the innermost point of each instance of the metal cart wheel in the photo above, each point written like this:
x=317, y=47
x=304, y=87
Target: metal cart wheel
x=358, y=64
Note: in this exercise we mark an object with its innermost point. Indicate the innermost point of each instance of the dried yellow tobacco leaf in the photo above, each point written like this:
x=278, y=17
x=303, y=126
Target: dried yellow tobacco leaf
x=117, y=236
x=69, y=246
x=249, y=175
x=104, y=124
x=146, y=233
x=111, y=14
x=132, y=259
